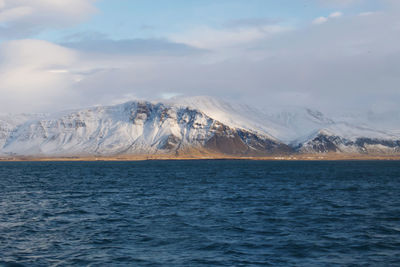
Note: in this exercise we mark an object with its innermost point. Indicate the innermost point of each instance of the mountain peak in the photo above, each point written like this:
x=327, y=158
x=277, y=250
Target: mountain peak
x=201, y=125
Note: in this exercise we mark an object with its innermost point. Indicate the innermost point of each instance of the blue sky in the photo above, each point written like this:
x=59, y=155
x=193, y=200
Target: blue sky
x=332, y=55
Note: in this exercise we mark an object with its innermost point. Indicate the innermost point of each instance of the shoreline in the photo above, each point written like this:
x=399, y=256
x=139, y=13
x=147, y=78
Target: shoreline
x=300, y=157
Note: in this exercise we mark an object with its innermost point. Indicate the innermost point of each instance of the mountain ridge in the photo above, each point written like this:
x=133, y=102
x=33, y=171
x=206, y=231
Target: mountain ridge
x=184, y=126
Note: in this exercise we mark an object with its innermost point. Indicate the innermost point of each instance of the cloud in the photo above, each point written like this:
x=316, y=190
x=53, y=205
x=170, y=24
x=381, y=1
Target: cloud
x=250, y=22
x=341, y=3
x=38, y=76
x=349, y=64
x=21, y=18
x=169, y=95
x=133, y=46
x=336, y=15
x=353, y=63
x=30, y=73
x=321, y=20
x=211, y=38
x=366, y=13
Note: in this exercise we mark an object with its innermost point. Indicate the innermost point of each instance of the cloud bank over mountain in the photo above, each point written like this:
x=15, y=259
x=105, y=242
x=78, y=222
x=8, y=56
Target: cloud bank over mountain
x=340, y=60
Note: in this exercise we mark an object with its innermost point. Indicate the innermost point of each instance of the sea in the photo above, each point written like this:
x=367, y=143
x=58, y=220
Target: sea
x=200, y=213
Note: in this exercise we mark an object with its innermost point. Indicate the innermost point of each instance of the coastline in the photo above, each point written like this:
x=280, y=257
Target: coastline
x=293, y=157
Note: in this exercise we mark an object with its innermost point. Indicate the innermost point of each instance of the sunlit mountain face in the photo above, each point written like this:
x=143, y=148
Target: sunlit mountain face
x=186, y=126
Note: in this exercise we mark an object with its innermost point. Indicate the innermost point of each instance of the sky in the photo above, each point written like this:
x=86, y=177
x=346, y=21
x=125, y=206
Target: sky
x=331, y=55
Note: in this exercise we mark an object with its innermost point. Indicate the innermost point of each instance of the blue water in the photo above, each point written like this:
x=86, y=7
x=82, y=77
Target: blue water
x=200, y=213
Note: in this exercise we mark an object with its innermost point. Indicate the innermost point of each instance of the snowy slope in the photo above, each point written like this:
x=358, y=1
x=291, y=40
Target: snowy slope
x=132, y=128
x=292, y=125
x=284, y=123
x=9, y=122
x=184, y=125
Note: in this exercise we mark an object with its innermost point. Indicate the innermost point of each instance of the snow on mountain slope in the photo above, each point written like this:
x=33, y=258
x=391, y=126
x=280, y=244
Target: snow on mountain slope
x=326, y=142
x=134, y=128
x=306, y=130
x=291, y=125
x=9, y=122
x=235, y=115
x=285, y=124
x=182, y=125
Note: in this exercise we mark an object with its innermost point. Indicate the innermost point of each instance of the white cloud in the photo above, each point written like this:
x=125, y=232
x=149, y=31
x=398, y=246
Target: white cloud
x=362, y=14
x=320, y=20
x=14, y=14
x=169, y=95
x=25, y=73
x=210, y=38
x=58, y=71
x=352, y=63
x=336, y=15
x=26, y=17
x=38, y=75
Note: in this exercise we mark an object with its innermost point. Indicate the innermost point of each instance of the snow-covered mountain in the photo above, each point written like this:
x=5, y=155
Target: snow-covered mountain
x=196, y=125
x=135, y=128
x=9, y=123
x=306, y=130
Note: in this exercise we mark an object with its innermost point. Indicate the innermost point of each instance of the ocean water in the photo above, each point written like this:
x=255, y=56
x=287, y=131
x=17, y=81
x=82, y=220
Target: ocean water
x=200, y=213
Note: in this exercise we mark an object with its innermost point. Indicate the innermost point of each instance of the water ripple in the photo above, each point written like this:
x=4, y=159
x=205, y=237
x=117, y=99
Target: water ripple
x=200, y=213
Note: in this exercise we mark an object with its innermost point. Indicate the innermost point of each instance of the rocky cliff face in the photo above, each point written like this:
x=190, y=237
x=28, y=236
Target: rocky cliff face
x=328, y=143
x=197, y=125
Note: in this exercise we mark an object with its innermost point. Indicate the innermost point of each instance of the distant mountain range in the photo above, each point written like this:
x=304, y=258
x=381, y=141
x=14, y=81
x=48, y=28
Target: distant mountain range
x=190, y=126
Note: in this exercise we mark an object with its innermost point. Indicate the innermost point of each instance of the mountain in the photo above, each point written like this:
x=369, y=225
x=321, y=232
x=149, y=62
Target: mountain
x=200, y=126
x=135, y=128
x=9, y=123
x=306, y=130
